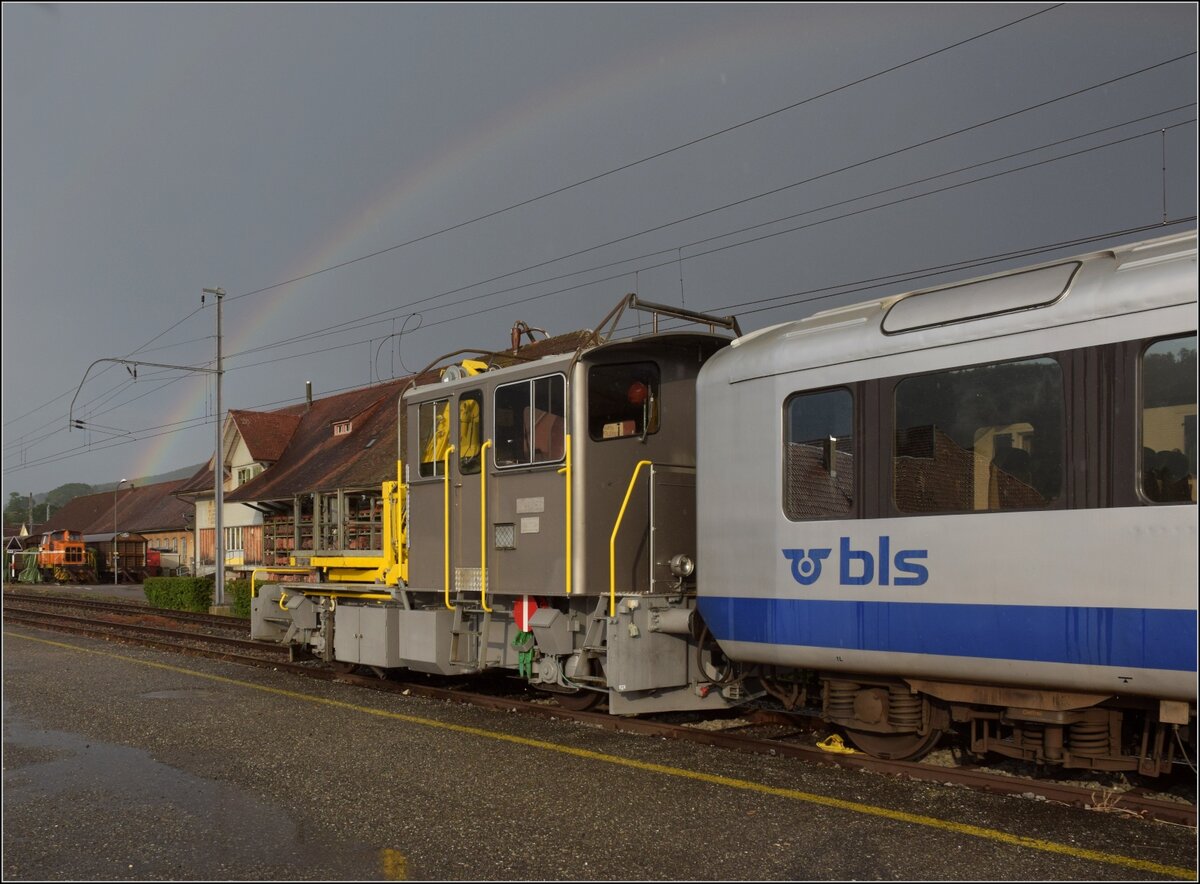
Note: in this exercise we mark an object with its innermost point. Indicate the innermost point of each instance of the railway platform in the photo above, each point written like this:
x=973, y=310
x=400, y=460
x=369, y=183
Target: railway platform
x=125, y=763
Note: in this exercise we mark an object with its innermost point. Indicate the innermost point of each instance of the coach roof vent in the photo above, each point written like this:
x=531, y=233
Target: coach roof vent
x=1009, y=293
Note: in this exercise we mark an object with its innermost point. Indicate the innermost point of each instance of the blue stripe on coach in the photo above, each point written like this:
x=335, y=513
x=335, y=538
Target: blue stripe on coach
x=1135, y=637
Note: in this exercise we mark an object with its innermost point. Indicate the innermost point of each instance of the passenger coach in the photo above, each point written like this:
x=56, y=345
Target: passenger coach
x=974, y=503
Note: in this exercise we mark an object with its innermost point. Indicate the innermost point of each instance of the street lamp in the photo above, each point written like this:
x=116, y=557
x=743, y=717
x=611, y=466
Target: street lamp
x=116, y=555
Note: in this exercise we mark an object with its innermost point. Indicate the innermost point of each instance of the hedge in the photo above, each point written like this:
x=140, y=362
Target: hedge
x=196, y=594
x=179, y=593
x=237, y=593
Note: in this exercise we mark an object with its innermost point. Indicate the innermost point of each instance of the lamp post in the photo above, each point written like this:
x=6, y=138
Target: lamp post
x=116, y=555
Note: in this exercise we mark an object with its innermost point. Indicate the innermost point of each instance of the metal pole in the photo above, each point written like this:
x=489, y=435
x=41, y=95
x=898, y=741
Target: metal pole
x=115, y=555
x=219, y=472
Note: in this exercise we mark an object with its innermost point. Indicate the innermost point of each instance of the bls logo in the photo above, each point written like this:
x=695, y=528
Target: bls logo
x=857, y=567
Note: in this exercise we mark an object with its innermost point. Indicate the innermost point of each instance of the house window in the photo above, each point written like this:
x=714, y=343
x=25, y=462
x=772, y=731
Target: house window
x=341, y=428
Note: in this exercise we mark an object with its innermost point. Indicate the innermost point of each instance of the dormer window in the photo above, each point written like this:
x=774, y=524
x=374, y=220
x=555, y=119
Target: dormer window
x=245, y=474
x=341, y=428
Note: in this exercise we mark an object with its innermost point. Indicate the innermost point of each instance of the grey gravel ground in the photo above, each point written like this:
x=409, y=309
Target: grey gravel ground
x=115, y=769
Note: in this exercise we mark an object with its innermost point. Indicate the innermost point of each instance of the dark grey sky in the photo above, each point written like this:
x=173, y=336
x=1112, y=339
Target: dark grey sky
x=153, y=151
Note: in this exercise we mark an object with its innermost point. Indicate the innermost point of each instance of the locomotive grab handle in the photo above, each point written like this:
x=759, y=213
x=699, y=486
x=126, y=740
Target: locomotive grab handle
x=483, y=473
x=566, y=471
x=446, y=520
x=612, y=541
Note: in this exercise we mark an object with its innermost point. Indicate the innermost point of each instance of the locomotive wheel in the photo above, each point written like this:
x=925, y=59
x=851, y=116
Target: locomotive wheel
x=578, y=701
x=895, y=747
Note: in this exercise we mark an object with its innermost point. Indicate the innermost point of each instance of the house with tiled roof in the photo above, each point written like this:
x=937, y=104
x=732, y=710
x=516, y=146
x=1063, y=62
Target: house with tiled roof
x=252, y=441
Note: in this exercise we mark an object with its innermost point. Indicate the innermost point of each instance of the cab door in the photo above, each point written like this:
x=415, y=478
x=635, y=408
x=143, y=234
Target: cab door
x=526, y=494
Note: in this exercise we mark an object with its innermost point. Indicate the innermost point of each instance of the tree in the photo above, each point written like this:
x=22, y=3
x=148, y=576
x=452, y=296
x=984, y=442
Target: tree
x=16, y=510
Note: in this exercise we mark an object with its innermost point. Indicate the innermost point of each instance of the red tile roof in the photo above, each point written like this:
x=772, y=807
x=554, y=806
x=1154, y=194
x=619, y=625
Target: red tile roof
x=143, y=510
x=266, y=433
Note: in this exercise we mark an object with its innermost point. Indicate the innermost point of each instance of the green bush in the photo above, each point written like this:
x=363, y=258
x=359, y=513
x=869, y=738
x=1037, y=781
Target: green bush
x=237, y=593
x=179, y=593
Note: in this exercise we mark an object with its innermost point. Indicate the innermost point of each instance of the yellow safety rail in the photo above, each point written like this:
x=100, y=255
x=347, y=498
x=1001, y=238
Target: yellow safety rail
x=394, y=529
x=612, y=541
x=446, y=521
x=567, y=470
x=483, y=473
x=275, y=571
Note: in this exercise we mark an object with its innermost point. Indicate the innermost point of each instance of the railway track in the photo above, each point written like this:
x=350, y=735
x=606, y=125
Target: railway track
x=753, y=731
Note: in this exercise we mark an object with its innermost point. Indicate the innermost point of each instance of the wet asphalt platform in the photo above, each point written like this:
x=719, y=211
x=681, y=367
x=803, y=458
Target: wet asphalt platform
x=123, y=763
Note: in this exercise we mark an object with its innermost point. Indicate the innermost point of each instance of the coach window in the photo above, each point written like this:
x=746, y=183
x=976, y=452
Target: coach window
x=1169, y=421
x=470, y=426
x=818, y=455
x=529, y=422
x=979, y=439
x=433, y=428
x=623, y=400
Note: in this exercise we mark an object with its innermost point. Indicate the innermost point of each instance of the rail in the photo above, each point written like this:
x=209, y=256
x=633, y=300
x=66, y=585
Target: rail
x=612, y=541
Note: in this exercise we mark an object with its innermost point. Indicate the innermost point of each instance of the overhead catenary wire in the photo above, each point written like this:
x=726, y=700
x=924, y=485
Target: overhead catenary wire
x=91, y=406
x=726, y=247
x=625, y=166
x=771, y=192
x=796, y=297
x=25, y=443
x=777, y=233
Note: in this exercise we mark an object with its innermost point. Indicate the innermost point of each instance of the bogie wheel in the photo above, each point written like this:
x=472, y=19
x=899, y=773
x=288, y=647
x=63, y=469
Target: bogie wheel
x=578, y=701
x=895, y=747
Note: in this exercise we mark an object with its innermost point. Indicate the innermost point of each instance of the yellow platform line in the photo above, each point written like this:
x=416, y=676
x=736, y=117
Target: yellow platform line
x=715, y=779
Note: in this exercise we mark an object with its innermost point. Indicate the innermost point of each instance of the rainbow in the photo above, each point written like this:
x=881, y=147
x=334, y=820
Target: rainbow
x=687, y=58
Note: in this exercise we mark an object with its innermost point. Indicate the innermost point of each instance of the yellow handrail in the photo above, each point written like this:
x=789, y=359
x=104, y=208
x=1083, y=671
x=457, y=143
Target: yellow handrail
x=446, y=523
x=275, y=571
x=612, y=541
x=567, y=470
x=483, y=525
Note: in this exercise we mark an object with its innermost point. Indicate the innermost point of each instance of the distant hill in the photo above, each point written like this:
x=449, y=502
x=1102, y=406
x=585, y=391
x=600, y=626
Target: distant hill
x=173, y=476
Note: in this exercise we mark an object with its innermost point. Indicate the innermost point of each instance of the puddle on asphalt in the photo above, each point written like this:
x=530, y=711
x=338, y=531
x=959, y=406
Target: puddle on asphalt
x=78, y=809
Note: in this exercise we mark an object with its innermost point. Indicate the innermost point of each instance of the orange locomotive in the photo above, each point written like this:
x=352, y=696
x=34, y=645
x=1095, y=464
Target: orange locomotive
x=63, y=557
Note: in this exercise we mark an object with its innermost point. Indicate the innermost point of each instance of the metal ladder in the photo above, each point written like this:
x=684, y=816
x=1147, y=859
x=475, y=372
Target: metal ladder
x=467, y=645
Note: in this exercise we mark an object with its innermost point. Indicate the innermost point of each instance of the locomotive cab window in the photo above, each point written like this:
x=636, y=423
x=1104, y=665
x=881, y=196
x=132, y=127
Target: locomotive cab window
x=433, y=429
x=623, y=400
x=979, y=439
x=470, y=426
x=1169, y=421
x=818, y=455
x=529, y=422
